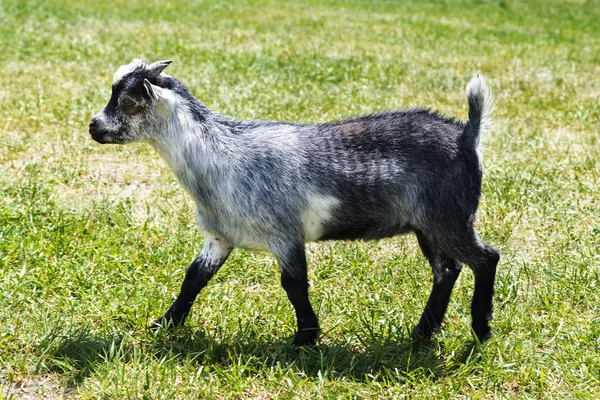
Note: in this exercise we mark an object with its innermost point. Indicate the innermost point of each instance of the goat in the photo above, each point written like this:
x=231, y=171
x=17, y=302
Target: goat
x=273, y=186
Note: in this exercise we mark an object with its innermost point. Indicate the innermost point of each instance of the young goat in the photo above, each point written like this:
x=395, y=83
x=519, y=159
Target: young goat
x=274, y=186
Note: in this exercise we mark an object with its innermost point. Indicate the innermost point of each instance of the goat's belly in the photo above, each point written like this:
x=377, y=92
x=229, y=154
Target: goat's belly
x=330, y=218
x=248, y=245
x=246, y=238
x=364, y=230
x=237, y=232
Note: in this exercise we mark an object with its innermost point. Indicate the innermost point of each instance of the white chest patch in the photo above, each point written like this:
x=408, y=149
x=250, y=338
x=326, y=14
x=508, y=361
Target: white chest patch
x=319, y=211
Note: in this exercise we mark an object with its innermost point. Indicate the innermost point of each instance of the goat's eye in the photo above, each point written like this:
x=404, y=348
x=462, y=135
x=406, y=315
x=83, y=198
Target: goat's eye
x=130, y=107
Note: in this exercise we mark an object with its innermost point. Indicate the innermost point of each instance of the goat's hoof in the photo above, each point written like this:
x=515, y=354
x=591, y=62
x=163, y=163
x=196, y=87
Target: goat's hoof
x=306, y=337
x=422, y=333
x=158, y=325
x=483, y=333
x=164, y=323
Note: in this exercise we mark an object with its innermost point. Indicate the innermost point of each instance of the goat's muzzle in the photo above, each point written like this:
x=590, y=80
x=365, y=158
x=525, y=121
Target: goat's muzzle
x=98, y=134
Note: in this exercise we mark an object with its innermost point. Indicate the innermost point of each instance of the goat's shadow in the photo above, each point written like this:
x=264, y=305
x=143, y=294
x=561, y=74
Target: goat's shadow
x=393, y=359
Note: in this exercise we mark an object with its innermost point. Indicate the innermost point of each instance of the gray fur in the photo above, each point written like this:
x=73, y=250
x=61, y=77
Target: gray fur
x=272, y=185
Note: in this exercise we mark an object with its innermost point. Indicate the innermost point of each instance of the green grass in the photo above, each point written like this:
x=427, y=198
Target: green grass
x=94, y=240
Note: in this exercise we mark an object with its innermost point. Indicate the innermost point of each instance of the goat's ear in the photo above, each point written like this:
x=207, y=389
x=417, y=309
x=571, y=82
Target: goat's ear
x=150, y=90
x=156, y=68
x=162, y=98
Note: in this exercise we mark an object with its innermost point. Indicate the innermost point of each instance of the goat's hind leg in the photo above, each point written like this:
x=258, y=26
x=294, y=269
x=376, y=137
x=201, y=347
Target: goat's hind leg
x=445, y=272
x=213, y=255
x=484, y=269
x=483, y=260
x=294, y=279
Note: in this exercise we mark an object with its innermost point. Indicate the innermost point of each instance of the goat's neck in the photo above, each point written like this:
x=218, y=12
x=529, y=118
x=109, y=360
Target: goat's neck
x=198, y=153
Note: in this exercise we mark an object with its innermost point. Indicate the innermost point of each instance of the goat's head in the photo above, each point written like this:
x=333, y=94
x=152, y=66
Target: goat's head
x=137, y=104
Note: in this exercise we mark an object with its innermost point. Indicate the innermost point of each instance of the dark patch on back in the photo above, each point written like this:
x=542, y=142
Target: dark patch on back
x=348, y=128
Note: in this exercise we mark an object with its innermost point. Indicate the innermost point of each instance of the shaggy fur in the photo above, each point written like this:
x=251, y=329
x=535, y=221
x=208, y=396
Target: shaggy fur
x=273, y=186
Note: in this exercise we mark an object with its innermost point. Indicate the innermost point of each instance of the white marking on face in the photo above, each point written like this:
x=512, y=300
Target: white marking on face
x=319, y=211
x=126, y=69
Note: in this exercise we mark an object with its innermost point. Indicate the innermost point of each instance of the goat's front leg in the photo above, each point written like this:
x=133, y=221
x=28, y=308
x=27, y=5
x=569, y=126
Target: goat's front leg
x=294, y=280
x=213, y=255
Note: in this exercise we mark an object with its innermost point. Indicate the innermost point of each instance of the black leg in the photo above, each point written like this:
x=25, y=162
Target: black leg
x=433, y=315
x=214, y=253
x=482, y=259
x=481, y=306
x=445, y=272
x=295, y=282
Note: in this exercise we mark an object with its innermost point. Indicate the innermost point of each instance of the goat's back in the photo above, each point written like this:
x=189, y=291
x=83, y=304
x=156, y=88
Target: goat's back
x=392, y=172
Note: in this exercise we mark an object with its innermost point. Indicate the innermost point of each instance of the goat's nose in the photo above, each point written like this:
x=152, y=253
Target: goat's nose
x=94, y=126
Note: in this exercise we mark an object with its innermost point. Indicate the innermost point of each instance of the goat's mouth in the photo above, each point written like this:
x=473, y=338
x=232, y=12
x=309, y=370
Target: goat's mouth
x=101, y=134
x=100, y=138
x=104, y=137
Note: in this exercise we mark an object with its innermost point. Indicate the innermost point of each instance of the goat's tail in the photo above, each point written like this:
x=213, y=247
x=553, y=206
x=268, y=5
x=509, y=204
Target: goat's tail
x=481, y=105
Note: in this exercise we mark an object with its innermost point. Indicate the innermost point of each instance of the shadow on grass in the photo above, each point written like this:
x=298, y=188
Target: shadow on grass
x=394, y=360
x=78, y=352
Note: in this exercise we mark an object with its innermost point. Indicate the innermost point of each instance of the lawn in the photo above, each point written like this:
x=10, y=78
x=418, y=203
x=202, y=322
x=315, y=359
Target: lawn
x=94, y=240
